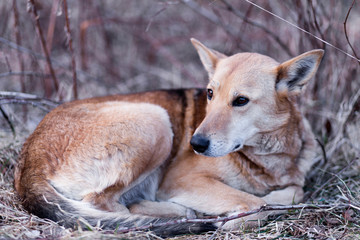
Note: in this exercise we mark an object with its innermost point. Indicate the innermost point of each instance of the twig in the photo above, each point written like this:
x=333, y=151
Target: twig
x=303, y=30
x=69, y=38
x=264, y=208
x=346, y=35
x=43, y=44
x=7, y=119
x=154, y=16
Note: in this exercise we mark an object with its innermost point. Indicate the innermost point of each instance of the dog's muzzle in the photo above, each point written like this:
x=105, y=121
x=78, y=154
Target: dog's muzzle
x=199, y=143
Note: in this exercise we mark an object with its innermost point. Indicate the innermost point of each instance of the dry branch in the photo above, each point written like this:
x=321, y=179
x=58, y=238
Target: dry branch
x=216, y=219
x=43, y=44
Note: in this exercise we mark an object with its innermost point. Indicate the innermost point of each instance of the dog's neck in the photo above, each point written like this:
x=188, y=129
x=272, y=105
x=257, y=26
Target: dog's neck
x=278, y=148
x=285, y=140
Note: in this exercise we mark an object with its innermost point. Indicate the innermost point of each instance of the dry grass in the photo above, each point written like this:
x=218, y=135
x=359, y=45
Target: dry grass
x=127, y=46
x=334, y=223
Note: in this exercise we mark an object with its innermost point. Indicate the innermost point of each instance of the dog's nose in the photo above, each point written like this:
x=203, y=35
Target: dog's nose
x=199, y=143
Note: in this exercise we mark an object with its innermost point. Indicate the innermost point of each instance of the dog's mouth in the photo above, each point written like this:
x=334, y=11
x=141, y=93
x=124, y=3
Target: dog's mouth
x=237, y=147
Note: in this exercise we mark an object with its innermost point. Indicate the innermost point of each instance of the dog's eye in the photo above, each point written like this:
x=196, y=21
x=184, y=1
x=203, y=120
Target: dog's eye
x=209, y=94
x=240, y=101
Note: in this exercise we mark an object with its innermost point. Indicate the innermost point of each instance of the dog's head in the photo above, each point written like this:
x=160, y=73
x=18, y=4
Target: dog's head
x=248, y=94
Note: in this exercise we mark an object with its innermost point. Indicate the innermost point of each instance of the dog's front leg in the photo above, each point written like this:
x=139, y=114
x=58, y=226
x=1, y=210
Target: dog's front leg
x=210, y=196
x=286, y=196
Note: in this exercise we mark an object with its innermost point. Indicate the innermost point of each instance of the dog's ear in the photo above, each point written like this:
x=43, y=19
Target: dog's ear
x=208, y=57
x=293, y=74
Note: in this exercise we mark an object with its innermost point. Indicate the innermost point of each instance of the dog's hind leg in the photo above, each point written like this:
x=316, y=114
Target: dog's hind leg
x=123, y=150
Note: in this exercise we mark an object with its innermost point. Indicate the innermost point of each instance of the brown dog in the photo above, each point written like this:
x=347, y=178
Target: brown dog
x=127, y=160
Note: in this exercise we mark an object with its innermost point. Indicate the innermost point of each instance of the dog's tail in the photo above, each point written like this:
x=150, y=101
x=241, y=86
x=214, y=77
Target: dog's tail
x=48, y=203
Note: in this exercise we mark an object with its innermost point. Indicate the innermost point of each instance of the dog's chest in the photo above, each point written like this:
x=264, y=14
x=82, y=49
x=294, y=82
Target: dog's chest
x=259, y=179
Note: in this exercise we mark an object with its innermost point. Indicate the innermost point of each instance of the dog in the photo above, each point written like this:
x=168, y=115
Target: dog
x=144, y=158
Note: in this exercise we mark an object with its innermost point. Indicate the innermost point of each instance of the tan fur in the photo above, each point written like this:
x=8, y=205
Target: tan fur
x=94, y=152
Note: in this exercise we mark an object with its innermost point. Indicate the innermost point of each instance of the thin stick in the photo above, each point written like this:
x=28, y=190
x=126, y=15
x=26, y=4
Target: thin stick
x=43, y=44
x=69, y=38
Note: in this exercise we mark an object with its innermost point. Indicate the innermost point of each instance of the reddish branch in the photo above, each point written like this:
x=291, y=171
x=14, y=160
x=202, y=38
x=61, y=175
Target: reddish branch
x=43, y=44
x=69, y=38
x=51, y=27
x=18, y=42
x=264, y=208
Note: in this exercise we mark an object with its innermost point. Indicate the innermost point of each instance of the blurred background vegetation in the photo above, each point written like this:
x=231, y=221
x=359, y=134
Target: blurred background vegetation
x=61, y=50
x=130, y=46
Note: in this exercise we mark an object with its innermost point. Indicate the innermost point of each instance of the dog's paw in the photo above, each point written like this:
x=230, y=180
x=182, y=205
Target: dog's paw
x=247, y=222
